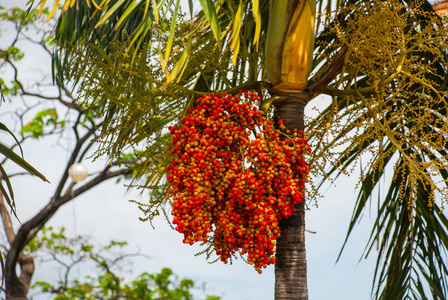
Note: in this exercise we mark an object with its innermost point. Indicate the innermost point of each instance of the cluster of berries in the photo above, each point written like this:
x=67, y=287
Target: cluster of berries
x=233, y=178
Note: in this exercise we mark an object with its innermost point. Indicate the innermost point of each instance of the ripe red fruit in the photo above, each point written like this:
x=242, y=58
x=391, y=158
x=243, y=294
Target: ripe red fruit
x=233, y=178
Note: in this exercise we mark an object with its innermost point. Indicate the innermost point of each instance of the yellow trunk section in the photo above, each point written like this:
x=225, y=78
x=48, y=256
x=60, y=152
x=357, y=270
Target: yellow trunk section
x=289, y=70
x=298, y=51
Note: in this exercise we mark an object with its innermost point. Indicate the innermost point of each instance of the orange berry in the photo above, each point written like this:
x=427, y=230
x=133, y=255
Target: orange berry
x=229, y=188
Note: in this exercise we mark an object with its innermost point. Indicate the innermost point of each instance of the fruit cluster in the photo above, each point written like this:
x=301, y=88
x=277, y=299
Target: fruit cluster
x=233, y=178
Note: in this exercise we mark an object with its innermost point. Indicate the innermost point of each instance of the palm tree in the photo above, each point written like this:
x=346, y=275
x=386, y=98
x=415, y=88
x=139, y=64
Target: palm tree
x=383, y=64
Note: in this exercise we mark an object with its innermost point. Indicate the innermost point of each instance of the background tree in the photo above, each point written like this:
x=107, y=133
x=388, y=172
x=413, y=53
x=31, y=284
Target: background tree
x=383, y=64
x=106, y=282
x=39, y=118
x=12, y=54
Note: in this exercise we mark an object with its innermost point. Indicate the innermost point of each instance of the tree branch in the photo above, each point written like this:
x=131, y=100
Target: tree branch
x=75, y=152
x=6, y=219
x=29, y=229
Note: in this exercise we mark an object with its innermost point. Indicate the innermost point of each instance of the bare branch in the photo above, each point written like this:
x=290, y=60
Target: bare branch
x=7, y=224
x=29, y=229
x=74, y=155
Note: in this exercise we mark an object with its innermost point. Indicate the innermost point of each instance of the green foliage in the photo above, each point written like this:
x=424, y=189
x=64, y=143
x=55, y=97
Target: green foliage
x=12, y=89
x=105, y=283
x=22, y=17
x=133, y=106
x=18, y=160
x=35, y=128
x=137, y=95
x=389, y=113
x=145, y=287
x=57, y=242
x=392, y=100
x=14, y=53
x=219, y=22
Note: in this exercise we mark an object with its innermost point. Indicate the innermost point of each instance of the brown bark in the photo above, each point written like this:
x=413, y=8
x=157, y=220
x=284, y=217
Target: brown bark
x=290, y=266
x=17, y=286
x=6, y=219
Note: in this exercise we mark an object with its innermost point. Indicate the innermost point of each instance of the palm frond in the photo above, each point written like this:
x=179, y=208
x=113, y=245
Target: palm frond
x=238, y=35
x=394, y=115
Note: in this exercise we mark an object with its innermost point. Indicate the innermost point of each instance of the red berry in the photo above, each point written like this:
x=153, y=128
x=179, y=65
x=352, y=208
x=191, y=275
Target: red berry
x=229, y=189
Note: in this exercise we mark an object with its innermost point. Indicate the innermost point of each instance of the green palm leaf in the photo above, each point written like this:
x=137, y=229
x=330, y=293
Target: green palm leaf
x=387, y=129
x=18, y=160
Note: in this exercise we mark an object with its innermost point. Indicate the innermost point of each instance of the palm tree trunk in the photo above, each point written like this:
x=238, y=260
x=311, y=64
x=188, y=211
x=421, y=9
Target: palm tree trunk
x=290, y=266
